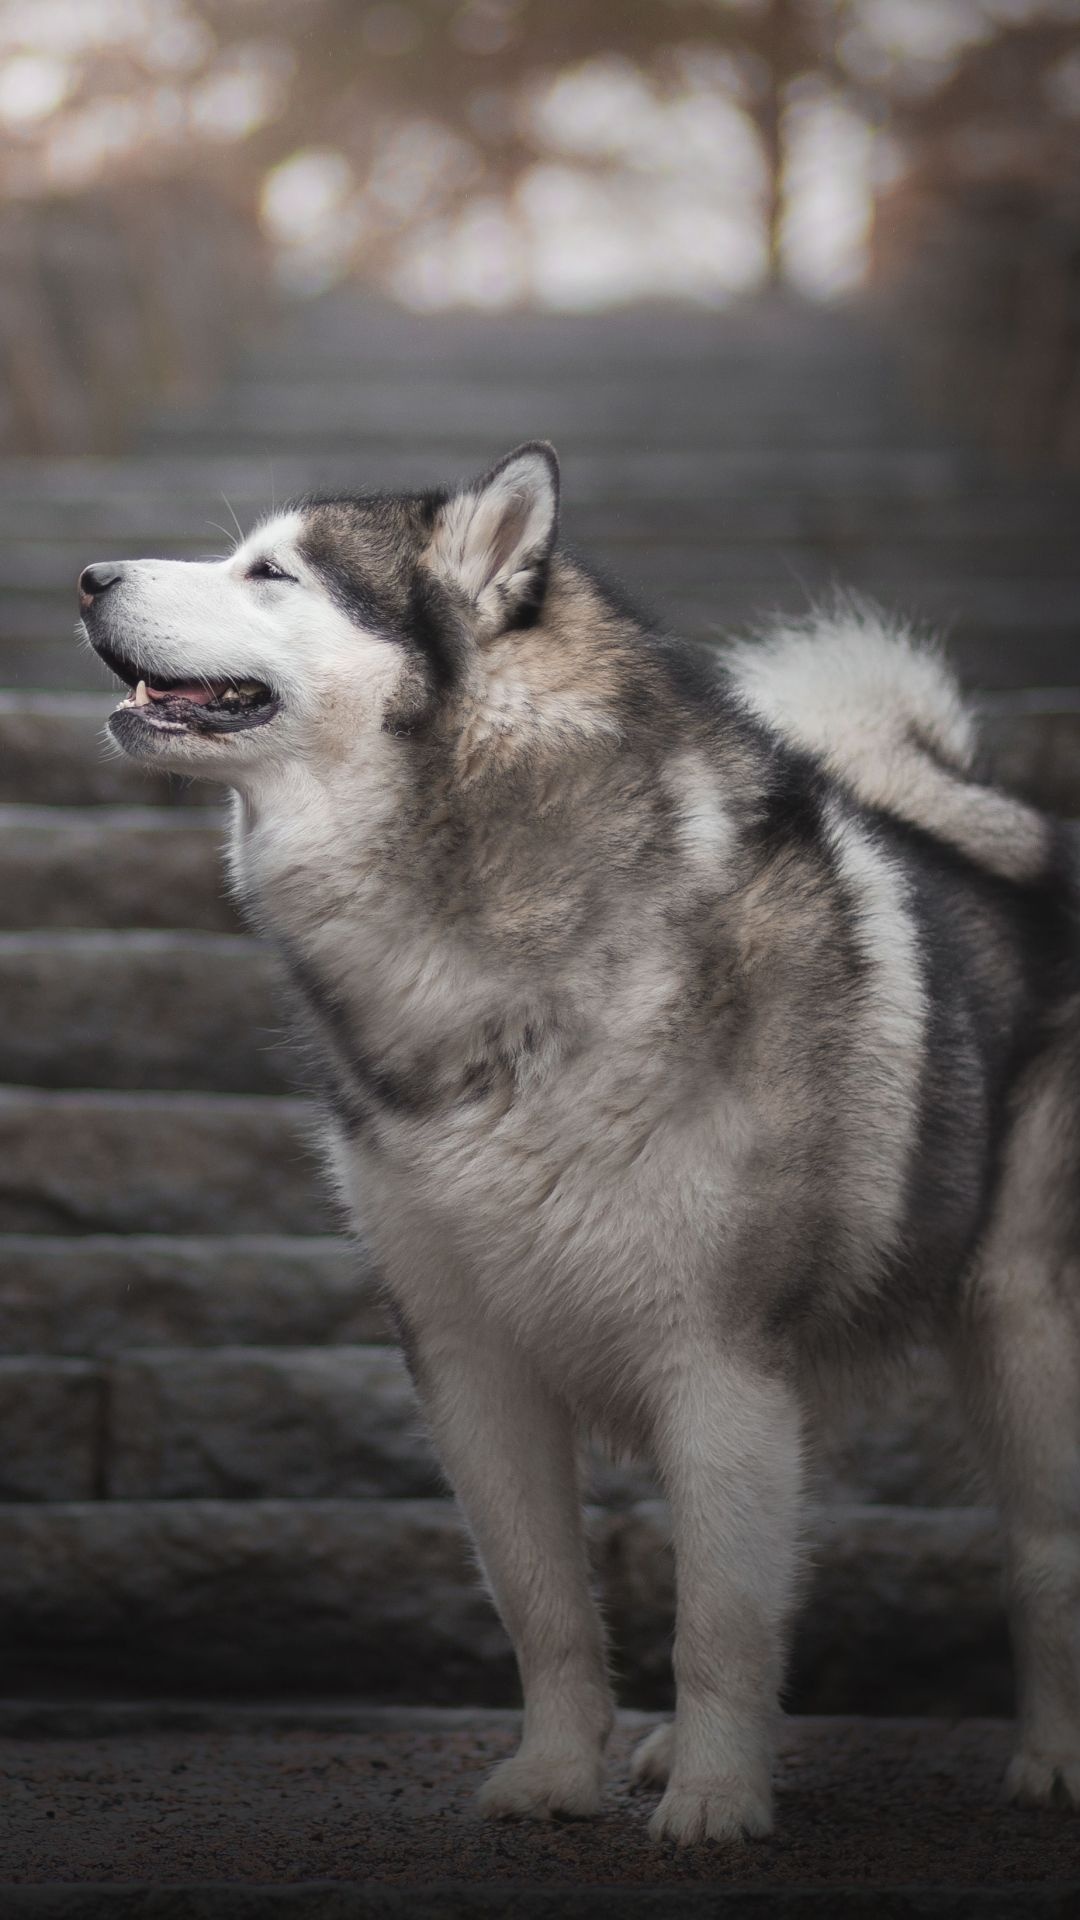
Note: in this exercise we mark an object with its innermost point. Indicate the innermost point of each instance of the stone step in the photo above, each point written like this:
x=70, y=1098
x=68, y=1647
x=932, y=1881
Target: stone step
x=730, y=513
x=173, y=1810
x=179, y=495
x=53, y=753
x=95, y=1294
x=351, y=327
x=316, y=1422
x=748, y=381
x=1032, y=742
x=379, y=1598
x=306, y=1423
x=51, y=1428
x=902, y=523
x=42, y=664
x=143, y=1011
x=148, y=867
x=472, y=417
x=162, y=1163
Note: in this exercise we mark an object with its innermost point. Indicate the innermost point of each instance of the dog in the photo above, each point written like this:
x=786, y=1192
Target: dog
x=697, y=1030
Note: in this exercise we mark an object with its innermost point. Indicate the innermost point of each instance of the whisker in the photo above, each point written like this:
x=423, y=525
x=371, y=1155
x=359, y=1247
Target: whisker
x=236, y=523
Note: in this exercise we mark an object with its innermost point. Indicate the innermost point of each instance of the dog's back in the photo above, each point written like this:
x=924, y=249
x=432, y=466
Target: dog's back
x=988, y=882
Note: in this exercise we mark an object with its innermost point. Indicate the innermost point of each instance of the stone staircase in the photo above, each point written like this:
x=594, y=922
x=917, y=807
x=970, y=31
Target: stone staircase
x=212, y=1474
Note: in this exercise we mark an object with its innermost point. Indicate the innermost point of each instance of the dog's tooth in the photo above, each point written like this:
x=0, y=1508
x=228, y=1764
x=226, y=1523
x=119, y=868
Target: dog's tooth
x=142, y=698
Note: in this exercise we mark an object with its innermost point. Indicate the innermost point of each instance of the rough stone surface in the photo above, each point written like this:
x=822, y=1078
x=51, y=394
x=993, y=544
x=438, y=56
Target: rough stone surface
x=112, y=867
x=244, y=1423
x=53, y=753
x=141, y=1011
x=50, y=1429
x=371, y=1815
x=157, y=1163
x=905, y=1443
x=1034, y=747
x=251, y=1596
x=32, y=661
x=103, y=1293
x=378, y=1597
x=905, y=1613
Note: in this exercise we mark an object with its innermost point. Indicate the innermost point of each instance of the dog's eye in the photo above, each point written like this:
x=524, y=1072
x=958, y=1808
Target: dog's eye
x=268, y=570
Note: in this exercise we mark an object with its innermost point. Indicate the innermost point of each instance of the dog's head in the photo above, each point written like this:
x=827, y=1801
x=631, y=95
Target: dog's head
x=336, y=618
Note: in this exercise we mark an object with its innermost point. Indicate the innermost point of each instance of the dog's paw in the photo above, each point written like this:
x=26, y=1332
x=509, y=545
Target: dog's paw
x=1044, y=1779
x=542, y=1787
x=722, y=1810
x=651, y=1763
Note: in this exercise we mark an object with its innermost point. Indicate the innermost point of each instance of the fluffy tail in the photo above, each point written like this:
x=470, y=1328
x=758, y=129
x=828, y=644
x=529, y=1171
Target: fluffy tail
x=885, y=714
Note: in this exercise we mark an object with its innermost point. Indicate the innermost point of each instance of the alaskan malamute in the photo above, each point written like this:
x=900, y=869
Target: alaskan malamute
x=694, y=1031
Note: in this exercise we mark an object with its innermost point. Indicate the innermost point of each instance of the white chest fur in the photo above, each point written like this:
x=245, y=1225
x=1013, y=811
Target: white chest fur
x=554, y=1162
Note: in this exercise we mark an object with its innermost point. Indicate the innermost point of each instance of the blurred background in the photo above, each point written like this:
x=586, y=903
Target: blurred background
x=174, y=168
x=794, y=285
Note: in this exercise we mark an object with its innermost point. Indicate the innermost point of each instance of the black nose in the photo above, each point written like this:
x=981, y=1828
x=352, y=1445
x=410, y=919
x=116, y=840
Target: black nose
x=98, y=579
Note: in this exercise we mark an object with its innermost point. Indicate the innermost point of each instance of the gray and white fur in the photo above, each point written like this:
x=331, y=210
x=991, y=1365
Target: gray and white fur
x=695, y=1034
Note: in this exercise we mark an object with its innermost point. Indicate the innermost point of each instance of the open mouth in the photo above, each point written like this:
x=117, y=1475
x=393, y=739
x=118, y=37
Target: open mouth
x=192, y=706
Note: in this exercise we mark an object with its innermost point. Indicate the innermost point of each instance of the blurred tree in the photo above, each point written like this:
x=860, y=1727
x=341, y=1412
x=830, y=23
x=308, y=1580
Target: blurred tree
x=477, y=68
x=724, y=142
x=977, y=243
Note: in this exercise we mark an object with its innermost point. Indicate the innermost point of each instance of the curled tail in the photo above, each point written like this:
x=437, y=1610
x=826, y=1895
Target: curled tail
x=882, y=710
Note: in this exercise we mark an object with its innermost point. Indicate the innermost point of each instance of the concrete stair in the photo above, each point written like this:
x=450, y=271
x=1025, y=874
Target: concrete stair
x=212, y=1472
x=722, y=467
x=106, y=1162
x=159, y=1290
x=54, y=753
x=115, y=867
x=139, y=1009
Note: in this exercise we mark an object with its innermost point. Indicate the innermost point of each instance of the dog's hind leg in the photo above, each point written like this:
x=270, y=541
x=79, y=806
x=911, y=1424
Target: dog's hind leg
x=509, y=1450
x=1017, y=1350
x=727, y=1443
x=1021, y=1366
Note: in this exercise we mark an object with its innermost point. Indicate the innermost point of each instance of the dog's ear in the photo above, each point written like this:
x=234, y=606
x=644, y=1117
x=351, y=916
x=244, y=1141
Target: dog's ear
x=493, y=539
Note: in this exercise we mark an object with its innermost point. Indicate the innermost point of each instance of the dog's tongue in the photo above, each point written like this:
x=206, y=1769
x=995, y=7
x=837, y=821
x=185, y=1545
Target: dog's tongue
x=195, y=691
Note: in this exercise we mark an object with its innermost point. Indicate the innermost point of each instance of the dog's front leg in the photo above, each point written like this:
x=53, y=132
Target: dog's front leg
x=728, y=1448
x=508, y=1447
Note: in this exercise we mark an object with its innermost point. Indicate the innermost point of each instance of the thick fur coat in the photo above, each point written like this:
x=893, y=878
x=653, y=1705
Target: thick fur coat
x=694, y=1032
